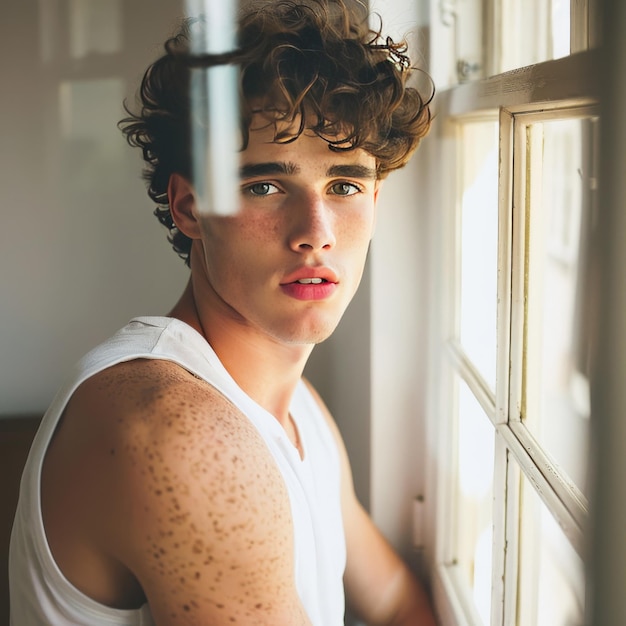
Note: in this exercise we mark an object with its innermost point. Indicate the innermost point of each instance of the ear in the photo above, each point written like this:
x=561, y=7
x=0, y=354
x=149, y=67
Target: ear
x=379, y=184
x=182, y=200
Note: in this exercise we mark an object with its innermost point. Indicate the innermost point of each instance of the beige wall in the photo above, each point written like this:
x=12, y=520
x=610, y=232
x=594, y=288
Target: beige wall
x=80, y=252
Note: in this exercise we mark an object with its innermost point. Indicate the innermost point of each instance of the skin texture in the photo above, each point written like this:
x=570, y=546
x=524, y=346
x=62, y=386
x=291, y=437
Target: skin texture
x=155, y=488
x=137, y=495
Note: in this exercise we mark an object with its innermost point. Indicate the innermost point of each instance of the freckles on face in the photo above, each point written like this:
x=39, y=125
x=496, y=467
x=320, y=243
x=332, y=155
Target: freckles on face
x=245, y=234
x=303, y=207
x=239, y=256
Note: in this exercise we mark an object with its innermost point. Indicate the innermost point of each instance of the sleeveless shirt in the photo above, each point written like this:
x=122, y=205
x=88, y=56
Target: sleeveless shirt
x=40, y=594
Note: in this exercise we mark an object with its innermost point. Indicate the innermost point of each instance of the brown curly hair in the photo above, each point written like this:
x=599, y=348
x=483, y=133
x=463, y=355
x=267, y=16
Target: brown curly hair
x=308, y=61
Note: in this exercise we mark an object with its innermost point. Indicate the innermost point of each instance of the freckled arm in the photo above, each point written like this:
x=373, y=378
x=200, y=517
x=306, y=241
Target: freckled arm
x=209, y=530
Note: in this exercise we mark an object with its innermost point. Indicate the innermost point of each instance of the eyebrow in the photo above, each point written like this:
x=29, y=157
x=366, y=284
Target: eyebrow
x=288, y=168
x=267, y=169
x=352, y=171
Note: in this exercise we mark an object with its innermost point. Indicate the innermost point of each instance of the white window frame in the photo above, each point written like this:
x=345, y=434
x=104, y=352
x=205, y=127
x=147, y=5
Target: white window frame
x=550, y=90
x=470, y=34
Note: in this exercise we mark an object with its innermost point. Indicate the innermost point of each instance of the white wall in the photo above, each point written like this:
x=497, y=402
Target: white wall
x=399, y=323
x=80, y=252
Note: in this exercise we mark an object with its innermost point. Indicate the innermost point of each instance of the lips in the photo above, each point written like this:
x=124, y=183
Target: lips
x=311, y=275
x=311, y=281
x=310, y=284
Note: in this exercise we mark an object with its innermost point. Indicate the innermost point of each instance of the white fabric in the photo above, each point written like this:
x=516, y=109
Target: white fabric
x=40, y=594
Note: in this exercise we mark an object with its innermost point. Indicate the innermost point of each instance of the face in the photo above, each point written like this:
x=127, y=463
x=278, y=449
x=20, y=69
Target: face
x=288, y=264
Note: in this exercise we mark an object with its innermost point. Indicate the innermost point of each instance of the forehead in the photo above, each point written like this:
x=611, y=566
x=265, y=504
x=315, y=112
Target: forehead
x=270, y=137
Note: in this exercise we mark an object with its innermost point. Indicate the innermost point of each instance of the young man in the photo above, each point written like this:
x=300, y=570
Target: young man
x=187, y=474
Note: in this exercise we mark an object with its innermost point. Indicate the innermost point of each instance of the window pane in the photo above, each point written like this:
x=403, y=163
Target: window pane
x=474, y=505
x=558, y=293
x=534, y=31
x=552, y=581
x=479, y=245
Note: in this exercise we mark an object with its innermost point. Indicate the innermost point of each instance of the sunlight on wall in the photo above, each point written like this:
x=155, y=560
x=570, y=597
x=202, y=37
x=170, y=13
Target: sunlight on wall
x=95, y=27
x=89, y=255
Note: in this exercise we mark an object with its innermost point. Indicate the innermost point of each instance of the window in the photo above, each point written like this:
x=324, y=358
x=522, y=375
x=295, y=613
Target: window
x=517, y=139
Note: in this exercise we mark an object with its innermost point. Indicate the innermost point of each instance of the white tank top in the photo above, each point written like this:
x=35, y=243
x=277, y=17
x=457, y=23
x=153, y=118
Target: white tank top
x=39, y=593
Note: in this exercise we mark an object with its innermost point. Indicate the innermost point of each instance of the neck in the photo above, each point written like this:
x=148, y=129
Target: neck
x=265, y=368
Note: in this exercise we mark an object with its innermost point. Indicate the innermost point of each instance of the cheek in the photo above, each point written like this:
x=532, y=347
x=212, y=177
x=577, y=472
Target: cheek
x=359, y=228
x=224, y=231
x=254, y=228
x=231, y=243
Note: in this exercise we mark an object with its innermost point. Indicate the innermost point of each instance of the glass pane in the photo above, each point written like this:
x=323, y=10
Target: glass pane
x=534, y=31
x=552, y=581
x=479, y=245
x=475, y=493
x=558, y=292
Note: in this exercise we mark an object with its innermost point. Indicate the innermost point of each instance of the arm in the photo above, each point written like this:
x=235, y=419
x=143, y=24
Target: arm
x=202, y=518
x=380, y=588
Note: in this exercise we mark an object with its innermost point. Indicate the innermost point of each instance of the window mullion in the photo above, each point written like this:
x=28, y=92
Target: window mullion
x=505, y=537
x=529, y=182
x=512, y=404
x=565, y=504
x=470, y=374
x=505, y=230
x=536, y=462
x=506, y=479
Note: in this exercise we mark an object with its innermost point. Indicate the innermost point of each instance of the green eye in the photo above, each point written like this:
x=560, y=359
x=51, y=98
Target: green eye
x=344, y=189
x=261, y=189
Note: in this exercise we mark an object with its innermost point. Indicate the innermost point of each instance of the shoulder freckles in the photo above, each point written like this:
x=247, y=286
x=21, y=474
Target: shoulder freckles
x=172, y=416
x=148, y=410
x=201, y=507
x=182, y=444
x=162, y=402
x=207, y=499
x=150, y=392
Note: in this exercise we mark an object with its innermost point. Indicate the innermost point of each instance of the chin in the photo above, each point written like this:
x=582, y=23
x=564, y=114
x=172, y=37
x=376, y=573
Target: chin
x=307, y=334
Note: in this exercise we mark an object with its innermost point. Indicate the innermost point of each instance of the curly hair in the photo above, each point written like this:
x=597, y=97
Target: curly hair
x=314, y=64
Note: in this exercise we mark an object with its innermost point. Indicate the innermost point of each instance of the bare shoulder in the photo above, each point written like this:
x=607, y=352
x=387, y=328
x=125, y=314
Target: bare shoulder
x=194, y=504
x=159, y=405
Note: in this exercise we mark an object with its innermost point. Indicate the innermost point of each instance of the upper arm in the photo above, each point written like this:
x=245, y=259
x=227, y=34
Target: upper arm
x=202, y=515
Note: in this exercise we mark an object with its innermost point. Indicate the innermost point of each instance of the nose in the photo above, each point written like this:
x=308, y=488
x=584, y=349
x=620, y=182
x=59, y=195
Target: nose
x=312, y=226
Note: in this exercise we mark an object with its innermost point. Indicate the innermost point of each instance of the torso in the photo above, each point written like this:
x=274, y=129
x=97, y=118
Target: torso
x=154, y=408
